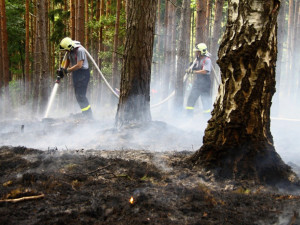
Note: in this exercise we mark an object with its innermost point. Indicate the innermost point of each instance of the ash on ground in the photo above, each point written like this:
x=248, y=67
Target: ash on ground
x=95, y=187
x=61, y=183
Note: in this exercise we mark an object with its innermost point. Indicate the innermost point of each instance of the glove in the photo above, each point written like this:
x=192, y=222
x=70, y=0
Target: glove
x=64, y=70
x=60, y=73
x=189, y=70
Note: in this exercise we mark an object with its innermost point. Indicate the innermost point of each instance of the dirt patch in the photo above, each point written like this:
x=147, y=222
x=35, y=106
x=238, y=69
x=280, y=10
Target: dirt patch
x=94, y=187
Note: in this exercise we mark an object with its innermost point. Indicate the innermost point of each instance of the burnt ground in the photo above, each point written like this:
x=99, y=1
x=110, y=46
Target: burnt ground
x=92, y=186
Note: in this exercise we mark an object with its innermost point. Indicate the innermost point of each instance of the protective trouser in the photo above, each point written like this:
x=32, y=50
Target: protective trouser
x=81, y=79
x=201, y=87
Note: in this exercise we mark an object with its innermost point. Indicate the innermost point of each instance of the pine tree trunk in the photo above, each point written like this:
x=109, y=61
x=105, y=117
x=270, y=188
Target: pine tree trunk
x=115, y=72
x=297, y=50
x=157, y=75
x=87, y=29
x=1, y=62
x=166, y=61
x=80, y=22
x=183, y=55
x=5, y=59
x=238, y=142
x=44, y=72
x=37, y=61
x=280, y=37
x=27, y=53
x=72, y=19
x=201, y=6
x=134, y=101
x=217, y=27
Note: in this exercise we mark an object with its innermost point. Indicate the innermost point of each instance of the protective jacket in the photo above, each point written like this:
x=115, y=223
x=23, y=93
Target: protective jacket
x=81, y=79
x=201, y=85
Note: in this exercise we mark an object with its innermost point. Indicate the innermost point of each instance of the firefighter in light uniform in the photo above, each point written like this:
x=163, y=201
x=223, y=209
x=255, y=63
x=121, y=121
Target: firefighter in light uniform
x=202, y=82
x=80, y=73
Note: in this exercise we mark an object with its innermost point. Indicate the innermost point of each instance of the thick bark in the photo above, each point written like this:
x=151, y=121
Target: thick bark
x=238, y=141
x=183, y=55
x=134, y=101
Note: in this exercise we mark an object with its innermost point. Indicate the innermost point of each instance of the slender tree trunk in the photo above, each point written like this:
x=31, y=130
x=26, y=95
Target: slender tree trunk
x=44, y=72
x=27, y=53
x=201, y=6
x=156, y=69
x=134, y=101
x=208, y=25
x=5, y=59
x=115, y=72
x=183, y=55
x=238, y=142
x=289, y=45
x=80, y=22
x=37, y=62
x=101, y=47
x=217, y=28
x=166, y=61
x=280, y=37
x=87, y=29
x=1, y=60
x=72, y=19
x=297, y=50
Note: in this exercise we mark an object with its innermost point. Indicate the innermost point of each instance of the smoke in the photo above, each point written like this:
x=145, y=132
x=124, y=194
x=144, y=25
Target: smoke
x=172, y=130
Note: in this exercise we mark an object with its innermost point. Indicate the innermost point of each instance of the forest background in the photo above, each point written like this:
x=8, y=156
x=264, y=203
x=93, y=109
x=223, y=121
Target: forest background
x=32, y=29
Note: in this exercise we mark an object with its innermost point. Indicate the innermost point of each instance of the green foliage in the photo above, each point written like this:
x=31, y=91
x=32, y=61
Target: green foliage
x=15, y=11
x=58, y=17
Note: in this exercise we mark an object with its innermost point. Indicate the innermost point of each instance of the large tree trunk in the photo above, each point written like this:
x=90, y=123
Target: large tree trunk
x=238, y=141
x=134, y=102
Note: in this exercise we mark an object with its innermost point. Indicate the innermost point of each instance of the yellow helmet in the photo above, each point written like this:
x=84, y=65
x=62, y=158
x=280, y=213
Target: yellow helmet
x=201, y=47
x=66, y=44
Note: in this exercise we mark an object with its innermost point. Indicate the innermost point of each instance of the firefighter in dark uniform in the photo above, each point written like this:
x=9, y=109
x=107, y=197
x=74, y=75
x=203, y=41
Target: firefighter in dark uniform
x=80, y=73
x=202, y=83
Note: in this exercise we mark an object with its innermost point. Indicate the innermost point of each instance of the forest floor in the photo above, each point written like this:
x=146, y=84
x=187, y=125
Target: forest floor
x=94, y=186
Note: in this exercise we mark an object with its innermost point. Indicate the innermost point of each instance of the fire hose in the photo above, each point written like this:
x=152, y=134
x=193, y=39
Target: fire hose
x=107, y=84
x=112, y=90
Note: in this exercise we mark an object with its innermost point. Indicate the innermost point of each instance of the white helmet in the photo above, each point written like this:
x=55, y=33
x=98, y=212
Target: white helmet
x=66, y=44
x=202, y=48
